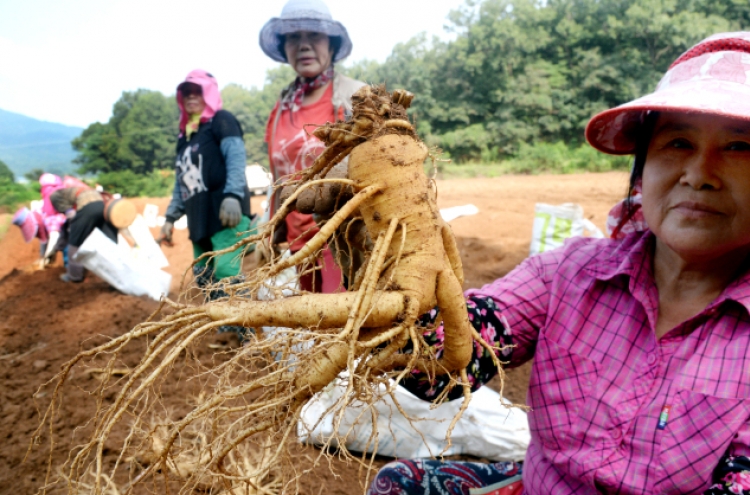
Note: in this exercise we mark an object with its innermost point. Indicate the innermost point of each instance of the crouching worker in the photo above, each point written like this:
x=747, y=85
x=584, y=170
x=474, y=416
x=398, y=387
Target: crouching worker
x=85, y=211
x=210, y=184
x=32, y=226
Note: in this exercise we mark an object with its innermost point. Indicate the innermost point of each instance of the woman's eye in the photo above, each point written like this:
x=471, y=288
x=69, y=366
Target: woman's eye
x=679, y=143
x=738, y=146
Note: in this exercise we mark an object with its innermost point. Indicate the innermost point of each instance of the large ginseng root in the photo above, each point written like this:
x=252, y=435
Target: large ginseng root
x=255, y=396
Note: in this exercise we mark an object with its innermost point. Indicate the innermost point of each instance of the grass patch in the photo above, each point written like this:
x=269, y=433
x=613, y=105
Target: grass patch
x=452, y=170
x=554, y=158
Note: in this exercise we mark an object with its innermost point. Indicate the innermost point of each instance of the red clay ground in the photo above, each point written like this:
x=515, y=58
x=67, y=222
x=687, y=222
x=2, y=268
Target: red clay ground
x=44, y=322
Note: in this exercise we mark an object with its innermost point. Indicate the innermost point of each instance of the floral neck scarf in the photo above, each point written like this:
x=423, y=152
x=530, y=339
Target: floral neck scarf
x=303, y=86
x=191, y=127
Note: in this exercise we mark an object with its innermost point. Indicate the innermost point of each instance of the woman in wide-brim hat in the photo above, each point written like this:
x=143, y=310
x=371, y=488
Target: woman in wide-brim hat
x=640, y=381
x=307, y=38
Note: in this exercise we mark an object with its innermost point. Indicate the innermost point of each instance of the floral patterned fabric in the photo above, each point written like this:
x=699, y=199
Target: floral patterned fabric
x=620, y=223
x=303, y=86
x=427, y=477
x=487, y=320
x=732, y=475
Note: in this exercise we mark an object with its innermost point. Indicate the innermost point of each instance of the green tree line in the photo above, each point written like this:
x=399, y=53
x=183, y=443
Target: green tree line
x=517, y=82
x=531, y=71
x=12, y=193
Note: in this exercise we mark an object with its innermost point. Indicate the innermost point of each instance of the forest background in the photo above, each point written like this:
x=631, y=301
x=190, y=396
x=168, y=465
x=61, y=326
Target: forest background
x=510, y=93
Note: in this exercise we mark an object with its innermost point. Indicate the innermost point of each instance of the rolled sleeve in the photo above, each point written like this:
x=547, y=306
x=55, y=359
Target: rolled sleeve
x=508, y=314
x=233, y=151
x=522, y=299
x=176, y=206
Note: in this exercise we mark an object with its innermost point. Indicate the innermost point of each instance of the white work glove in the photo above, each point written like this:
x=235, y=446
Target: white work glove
x=50, y=251
x=230, y=212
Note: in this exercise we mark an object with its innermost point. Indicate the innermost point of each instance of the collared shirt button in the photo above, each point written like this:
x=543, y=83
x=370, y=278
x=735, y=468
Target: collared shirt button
x=616, y=434
x=651, y=359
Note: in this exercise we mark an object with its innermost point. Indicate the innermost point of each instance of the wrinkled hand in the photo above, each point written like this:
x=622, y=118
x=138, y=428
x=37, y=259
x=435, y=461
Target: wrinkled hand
x=350, y=242
x=230, y=212
x=349, y=245
x=165, y=236
x=48, y=259
x=324, y=198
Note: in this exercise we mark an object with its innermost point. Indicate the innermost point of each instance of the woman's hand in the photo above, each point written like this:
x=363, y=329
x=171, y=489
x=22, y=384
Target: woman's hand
x=230, y=212
x=165, y=236
x=350, y=242
x=349, y=246
x=322, y=199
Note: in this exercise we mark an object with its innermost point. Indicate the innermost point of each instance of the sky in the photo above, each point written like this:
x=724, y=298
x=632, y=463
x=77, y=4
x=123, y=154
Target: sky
x=69, y=61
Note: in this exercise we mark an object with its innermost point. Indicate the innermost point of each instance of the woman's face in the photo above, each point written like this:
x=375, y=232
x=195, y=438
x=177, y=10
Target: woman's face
x=192, y=99
x=696, y=185
x=308, y=52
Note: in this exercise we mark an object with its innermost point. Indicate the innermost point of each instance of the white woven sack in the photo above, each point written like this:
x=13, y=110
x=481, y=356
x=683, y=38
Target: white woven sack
x=147, y=246
x=119, y=268
x=487, y=428
x=555, y=223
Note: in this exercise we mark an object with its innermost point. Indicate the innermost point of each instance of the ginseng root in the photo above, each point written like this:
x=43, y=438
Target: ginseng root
x=305, y=341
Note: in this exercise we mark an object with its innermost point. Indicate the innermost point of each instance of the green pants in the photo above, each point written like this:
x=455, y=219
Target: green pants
x=229, y=264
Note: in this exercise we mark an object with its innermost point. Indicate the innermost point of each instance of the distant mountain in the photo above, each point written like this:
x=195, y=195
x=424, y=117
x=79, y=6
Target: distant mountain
x=26, y=144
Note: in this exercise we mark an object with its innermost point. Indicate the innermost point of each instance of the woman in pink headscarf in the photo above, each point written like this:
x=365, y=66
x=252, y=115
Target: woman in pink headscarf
x=45, y=224
x=32, y=226
x=210, y=184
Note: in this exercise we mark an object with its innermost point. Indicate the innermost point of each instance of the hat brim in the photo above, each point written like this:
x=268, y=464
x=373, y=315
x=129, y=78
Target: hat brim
x=269, y=35
x=29, y=228
x=614, y=131
x=183, y=84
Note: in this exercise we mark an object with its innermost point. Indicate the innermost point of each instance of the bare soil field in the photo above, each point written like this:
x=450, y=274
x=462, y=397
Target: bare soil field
x=45, y=322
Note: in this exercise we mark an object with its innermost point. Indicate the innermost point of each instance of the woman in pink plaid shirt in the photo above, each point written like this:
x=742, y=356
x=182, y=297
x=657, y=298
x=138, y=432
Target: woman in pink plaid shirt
x=641, y=344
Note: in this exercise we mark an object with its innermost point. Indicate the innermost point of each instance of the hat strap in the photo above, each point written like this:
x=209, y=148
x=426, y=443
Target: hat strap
x=722, y=45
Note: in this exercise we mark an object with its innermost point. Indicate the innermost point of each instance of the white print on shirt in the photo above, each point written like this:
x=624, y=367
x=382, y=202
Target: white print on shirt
x=191, y=177
x=309, y=149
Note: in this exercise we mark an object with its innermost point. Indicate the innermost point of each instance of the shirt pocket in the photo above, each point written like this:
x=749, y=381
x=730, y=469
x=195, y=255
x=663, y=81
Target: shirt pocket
x=561, y=384
x=694, y=432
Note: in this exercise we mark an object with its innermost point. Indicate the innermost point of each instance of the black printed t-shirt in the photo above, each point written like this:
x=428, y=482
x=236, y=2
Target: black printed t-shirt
x=202, y=174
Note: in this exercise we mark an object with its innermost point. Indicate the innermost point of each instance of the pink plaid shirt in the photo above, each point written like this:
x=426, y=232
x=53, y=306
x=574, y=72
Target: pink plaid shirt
x=614, y=409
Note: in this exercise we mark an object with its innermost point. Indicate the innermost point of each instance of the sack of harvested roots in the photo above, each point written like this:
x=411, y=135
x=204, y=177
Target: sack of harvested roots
x=256, y=395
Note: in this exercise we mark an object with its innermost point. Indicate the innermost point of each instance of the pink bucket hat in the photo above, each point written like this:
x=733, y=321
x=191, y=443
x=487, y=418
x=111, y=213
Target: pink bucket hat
x=210, y=92
x=26, y=222
x=713, y=77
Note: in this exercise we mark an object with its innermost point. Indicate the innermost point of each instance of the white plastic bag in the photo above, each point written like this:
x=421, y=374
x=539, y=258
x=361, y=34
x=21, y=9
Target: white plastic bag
x=486, y=429
x=555, y=223
x=151, y=215
x=287, y=284
x=450, y=214
x=120, y=268
x=147, y=246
